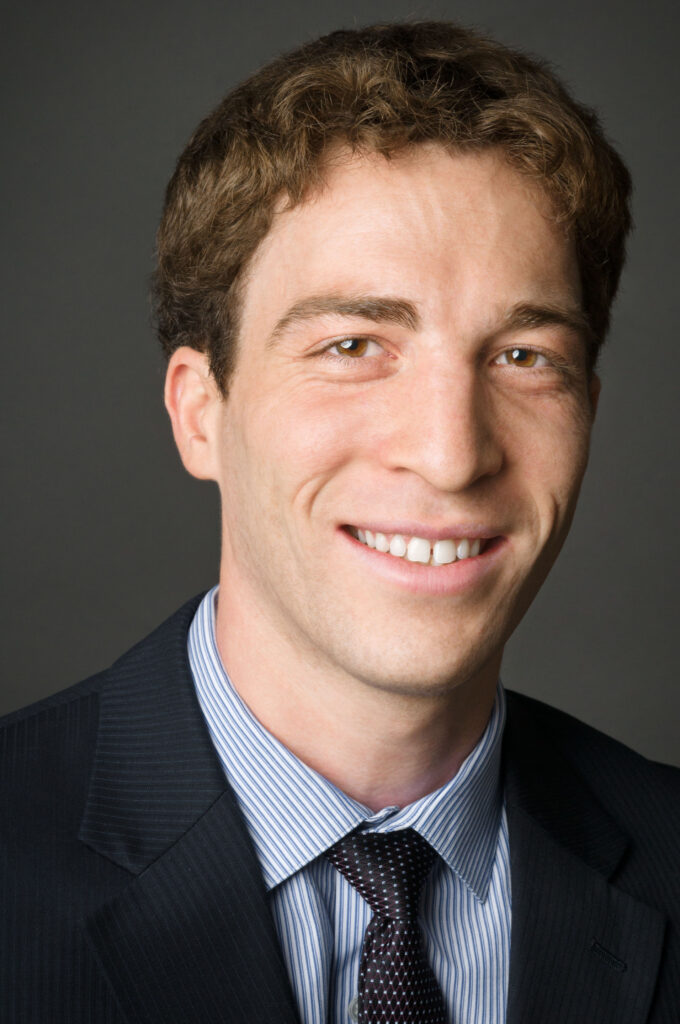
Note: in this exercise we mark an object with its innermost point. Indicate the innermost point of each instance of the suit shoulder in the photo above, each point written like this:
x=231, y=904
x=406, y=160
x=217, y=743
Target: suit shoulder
x=46, y=749
x=47, y=741
x=577, y=737
x=617, y=773
x=78, y=692
x=178, y=623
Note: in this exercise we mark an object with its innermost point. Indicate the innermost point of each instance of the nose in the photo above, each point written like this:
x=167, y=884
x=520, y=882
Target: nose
x=444, y=429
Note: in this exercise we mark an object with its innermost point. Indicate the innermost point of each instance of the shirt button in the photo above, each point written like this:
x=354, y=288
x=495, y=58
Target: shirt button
x=353, y=1009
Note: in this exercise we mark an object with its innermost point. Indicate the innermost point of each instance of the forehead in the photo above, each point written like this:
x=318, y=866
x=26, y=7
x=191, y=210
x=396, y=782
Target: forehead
x=433, y=225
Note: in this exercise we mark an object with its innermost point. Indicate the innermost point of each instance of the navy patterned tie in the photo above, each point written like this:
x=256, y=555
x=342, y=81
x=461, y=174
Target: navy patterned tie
x=396, y=983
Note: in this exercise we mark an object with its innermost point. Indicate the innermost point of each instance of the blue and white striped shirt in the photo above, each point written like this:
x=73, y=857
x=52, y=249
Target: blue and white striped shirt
x=294, y=815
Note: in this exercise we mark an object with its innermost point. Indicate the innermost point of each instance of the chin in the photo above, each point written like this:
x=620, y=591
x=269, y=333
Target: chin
x=405, y=672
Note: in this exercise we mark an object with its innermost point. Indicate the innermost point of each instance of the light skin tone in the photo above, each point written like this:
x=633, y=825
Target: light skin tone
x=412, y=360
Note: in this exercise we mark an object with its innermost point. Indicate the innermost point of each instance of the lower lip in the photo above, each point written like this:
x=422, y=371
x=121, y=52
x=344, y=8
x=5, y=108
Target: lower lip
x=455, y=578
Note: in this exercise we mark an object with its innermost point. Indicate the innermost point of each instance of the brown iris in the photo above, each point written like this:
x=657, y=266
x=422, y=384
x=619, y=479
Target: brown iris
x=522, y=357
x=352, y=346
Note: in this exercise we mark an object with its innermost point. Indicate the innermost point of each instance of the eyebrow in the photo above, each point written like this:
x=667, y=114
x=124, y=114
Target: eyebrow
x=379, y=309
x=526, y=315
x=390, y=309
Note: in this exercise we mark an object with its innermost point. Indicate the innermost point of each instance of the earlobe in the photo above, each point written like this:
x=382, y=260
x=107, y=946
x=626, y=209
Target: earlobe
x=191, y=396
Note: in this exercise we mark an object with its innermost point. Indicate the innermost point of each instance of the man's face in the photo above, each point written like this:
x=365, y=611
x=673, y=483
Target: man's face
x=410, y=366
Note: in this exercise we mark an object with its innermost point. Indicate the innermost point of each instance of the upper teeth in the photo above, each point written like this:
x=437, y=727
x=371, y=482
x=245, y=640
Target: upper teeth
x=418, y=549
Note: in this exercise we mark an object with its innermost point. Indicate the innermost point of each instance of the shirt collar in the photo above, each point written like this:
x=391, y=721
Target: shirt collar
x=294, y=814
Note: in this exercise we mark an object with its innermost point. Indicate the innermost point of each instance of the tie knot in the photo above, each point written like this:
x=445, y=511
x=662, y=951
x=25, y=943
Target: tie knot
x=387, y=870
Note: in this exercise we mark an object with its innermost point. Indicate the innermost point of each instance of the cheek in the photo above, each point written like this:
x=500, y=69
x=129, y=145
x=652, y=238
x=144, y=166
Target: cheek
x=560, y=460
x=287, y=448
x=546, y=444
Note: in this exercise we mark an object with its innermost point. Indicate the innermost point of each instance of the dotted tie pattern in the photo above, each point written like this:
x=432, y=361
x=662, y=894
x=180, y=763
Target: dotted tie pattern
x=396, y=983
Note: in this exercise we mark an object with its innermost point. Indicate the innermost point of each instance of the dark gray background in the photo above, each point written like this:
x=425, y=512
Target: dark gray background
x=104, y=534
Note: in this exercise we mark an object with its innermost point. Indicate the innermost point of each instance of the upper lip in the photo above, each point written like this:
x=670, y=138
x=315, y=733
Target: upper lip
x=407, y=528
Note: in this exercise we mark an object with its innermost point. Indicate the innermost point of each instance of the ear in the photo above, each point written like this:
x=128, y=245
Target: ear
x=594, y=388
x=192, y=399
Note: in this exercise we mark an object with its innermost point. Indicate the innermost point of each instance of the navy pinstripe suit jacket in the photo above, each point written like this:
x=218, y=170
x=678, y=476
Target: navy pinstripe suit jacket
x=130, y=892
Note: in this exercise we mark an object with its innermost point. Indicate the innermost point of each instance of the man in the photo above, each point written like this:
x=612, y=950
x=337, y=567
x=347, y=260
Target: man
x=386, y=264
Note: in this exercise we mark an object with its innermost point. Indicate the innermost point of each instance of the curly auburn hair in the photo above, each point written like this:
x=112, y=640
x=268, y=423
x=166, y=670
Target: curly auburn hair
x=380, y=89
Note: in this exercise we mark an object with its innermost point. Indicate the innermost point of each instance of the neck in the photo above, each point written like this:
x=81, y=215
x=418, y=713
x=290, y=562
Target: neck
x=380, y=746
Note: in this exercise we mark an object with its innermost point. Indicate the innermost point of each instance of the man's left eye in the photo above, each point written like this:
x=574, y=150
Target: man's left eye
x=352, y=347
x=523, y=357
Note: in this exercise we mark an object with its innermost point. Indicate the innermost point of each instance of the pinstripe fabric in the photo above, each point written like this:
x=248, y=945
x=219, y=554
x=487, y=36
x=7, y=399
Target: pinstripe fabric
x=131, y=891
x=37, y=907
x=294, y=814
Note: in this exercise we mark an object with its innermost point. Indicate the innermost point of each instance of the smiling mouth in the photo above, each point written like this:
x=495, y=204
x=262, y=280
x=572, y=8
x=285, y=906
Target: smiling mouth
x=420, y=549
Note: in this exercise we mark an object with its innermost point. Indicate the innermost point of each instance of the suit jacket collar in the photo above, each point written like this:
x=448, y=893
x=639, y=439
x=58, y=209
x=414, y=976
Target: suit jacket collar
x=582, y=949
x=155, y=770
x=191, y=938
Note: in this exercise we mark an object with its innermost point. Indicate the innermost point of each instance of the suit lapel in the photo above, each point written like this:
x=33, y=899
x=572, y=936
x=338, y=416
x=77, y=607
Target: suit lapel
x=191, y=938
x=582, y=949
